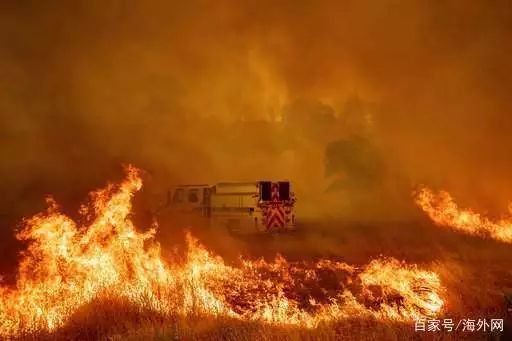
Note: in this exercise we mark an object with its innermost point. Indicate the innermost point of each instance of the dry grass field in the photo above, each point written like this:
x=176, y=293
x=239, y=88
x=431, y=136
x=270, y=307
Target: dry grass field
x=100, y=277
x=473, y=272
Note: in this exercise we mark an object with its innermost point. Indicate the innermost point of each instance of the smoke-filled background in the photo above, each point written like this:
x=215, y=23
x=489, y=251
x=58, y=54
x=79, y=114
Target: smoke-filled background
x=356, y=102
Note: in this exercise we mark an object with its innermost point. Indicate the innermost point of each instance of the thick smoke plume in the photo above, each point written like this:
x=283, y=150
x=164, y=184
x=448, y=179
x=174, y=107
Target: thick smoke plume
x=355, y=102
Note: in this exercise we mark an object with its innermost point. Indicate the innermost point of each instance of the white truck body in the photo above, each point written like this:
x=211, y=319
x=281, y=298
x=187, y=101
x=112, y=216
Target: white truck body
x=261, y=206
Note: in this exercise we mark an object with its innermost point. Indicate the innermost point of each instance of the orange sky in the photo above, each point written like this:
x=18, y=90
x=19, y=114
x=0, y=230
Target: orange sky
x=354, y=102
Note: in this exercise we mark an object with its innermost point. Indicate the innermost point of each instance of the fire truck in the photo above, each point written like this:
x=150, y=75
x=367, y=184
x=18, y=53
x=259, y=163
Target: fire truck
x=260, y=206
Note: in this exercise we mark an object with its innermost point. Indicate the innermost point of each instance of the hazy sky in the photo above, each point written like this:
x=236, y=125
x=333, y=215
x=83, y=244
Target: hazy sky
x=355, y=101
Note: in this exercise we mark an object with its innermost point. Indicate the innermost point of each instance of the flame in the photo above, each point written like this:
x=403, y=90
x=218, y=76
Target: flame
x=69, y=264
x=443, y=210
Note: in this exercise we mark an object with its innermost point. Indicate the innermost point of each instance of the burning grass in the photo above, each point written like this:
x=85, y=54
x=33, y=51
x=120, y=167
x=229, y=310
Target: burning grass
x=80, y=273
x=444, y=211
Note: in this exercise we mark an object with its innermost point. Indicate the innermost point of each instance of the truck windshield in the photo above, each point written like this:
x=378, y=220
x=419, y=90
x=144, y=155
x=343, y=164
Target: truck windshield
x=193, y=195
x=284, y=190
x=265, y=190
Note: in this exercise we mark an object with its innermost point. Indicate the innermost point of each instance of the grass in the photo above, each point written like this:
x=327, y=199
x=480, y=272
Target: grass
x=108, y=319
x=474, y=272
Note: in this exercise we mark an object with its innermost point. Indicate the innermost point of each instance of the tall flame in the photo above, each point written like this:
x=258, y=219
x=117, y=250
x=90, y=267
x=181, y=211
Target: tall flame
x=443, y=210
x=69, y=264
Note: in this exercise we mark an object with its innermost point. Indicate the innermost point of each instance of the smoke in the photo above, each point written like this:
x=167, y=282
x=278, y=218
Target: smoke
x=355, y=102
x=358, y=162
